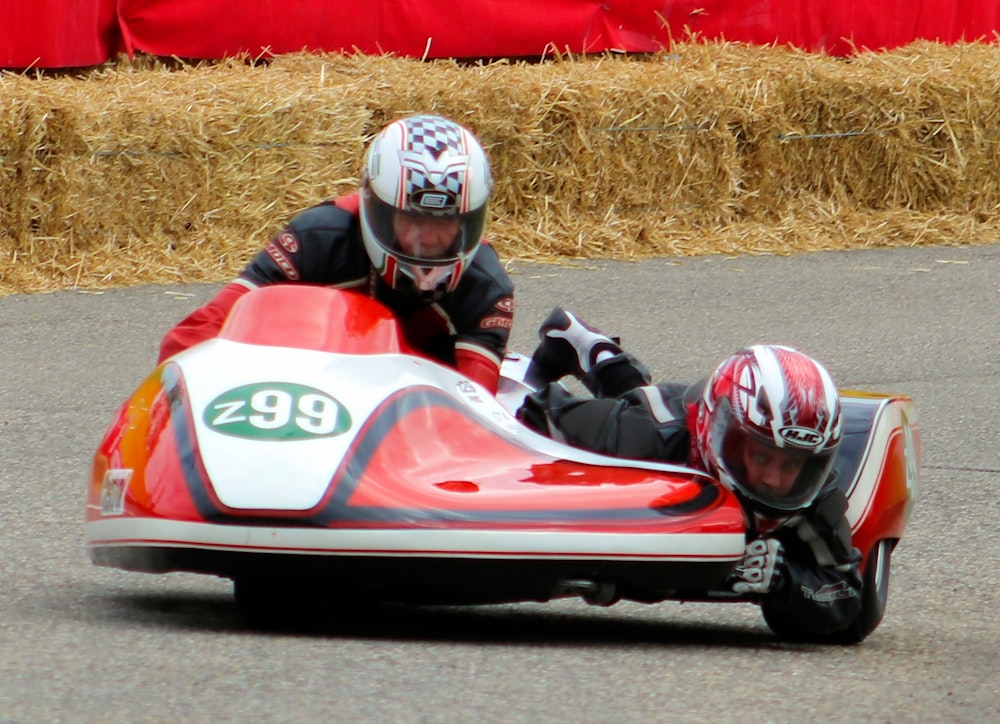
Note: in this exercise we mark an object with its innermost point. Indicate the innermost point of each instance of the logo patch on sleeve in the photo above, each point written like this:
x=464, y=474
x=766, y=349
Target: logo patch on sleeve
x=505, y=305
x=279, y=258
x=288, y=242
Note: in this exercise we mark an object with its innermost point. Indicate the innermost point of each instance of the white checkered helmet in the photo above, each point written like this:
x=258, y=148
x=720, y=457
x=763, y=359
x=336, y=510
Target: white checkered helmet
x=424, y=191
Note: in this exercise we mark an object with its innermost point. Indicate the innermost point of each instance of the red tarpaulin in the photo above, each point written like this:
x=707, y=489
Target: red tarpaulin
x=57, y=33
x=416, y=28
x=837, y=28
x=62, y=33
x=529, y=28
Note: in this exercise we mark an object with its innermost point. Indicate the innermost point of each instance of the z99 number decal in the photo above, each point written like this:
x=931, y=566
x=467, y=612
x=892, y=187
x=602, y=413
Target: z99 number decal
x=277, y=411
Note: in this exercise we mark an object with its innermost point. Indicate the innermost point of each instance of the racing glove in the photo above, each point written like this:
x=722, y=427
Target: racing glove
x=761, y=569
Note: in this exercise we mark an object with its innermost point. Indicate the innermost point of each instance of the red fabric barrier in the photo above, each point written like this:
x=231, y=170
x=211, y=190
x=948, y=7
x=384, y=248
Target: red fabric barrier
x=533, y=29
x=837, y=28
x=63, y=33
x=416, y=28
x=57, y=33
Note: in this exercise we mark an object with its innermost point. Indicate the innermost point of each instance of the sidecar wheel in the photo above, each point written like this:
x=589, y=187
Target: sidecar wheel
x=257, y=601
x=279, y=604
x=273, y=604
x=874, y=597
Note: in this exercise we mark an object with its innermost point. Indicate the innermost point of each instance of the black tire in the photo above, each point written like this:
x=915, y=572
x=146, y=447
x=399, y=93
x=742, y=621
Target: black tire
x=295, y=605
x=277, y=604
x=874, y=598
x=874, y=595
x=260, y=602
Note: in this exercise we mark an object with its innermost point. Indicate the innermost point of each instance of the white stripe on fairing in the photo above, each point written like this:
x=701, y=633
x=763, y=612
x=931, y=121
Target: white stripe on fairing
x=465, y=543
x=253, y=474
x=861, y=494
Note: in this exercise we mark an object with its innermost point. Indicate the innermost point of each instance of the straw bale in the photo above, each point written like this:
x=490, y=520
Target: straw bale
x=155, y=172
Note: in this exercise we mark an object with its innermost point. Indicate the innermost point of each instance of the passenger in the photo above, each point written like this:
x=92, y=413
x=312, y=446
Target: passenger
x=766, y=424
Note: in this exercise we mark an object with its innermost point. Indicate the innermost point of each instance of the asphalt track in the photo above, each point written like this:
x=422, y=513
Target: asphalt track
x=80, y=643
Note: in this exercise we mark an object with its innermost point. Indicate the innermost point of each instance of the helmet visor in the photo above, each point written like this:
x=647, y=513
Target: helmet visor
x=774, y=479
x=423, y=239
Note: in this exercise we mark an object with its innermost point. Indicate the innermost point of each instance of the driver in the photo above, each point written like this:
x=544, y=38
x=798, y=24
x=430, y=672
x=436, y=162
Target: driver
x=411, y=237
x=766, y=423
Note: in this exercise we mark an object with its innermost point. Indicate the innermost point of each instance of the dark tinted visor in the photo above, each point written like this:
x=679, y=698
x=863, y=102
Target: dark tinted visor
x=423, y=239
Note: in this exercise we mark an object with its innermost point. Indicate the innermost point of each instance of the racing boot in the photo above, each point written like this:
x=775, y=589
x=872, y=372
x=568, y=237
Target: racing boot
x=568, y=347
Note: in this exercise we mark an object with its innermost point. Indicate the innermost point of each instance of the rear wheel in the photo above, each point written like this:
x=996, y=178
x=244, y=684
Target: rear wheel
x=874, y=597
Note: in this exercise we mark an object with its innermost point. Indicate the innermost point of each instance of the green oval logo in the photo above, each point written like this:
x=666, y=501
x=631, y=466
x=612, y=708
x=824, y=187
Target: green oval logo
x=277, y=411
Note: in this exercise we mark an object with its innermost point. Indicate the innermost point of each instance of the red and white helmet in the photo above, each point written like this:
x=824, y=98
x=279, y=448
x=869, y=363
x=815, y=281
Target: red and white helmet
x=768, y=426
x=424, y=172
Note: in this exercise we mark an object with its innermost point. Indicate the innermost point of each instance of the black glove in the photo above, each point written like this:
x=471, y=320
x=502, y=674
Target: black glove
x=761, y=569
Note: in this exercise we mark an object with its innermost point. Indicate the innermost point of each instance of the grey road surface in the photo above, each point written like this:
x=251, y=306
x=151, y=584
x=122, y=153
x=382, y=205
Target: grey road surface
x=80, y=643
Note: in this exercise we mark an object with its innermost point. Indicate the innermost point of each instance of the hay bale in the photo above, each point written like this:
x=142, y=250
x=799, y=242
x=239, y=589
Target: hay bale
x=149, y=172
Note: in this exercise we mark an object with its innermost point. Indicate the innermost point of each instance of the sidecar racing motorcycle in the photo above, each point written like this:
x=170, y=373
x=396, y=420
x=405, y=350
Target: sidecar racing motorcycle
x=306, y=446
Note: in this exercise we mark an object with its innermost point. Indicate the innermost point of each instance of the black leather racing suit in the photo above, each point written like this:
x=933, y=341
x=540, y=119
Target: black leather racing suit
x=820, y=590
x=467, y=328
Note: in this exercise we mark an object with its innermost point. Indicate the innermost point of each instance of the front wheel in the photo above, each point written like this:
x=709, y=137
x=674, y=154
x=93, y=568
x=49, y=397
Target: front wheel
x=270, y=604
x=874, y=597
x=297, y=604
